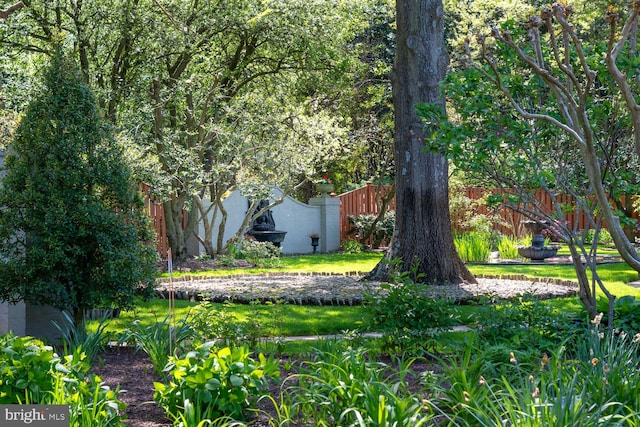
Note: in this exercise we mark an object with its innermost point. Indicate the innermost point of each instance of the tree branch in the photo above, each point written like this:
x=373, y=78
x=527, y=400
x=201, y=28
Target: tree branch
x=4, y=14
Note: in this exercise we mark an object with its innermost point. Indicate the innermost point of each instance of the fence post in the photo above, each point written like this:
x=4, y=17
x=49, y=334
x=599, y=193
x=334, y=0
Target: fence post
x=329, y=222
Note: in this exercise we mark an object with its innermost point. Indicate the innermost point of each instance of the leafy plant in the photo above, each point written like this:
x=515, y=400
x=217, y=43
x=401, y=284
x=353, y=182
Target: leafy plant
x=343, y=387
x=259, y=253
x=351, y=246
x=160, y=339
x=380, y=231
x=32, y=373
x=626, y=312
x=405, y=312
x=218, y=383
x=213, y=323
x=526, y=323
x=225, y=260
x=25, y=364
x=603, y=236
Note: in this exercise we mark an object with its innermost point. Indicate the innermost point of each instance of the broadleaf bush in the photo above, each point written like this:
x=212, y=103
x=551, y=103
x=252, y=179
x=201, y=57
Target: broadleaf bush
x=217, y=382
x=33, y=373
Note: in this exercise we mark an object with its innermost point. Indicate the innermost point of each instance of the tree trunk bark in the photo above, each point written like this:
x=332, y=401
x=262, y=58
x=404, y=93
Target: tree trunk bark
x=175, y=233
x=423, y=225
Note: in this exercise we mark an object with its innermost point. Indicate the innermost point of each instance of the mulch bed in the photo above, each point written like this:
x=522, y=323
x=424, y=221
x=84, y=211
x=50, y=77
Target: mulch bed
x=132, y=372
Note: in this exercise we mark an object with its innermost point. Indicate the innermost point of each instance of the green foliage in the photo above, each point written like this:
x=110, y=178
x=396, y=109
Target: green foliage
x=80, y=339
x=225, y=260
x=473, y=247
x=603, y=236
x=363, y=226
x=405, y=312
x=215, y=322
x=73, y=231
x=626, y=312
x=261, y=254
x=217, y=382
x=595, y=384
x=160, y=340
x=526, y=323
x=33, y=373
x=351, y=246
x=26, y=365
x=343, y=387
x=507, y=246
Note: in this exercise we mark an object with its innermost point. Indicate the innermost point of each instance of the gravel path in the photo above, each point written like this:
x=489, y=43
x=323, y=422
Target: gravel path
x=348, y=290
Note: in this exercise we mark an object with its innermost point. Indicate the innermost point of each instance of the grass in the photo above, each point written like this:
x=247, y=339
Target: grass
x=614, y=275
x=277, y=320
x=292, y=320
x=320, y=263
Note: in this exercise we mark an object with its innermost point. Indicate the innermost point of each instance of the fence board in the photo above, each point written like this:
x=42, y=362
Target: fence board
x=156, y=213
x=368, y=199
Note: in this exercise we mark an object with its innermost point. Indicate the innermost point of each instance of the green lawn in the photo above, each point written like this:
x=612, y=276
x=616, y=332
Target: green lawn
x=292, y=320
x=320, y=263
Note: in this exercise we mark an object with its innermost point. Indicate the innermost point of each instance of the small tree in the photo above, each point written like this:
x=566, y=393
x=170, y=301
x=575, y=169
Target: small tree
x=73, y=232
x=549, y=110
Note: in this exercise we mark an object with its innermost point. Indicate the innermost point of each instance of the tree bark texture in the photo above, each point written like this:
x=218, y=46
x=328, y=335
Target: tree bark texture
x=423, y=225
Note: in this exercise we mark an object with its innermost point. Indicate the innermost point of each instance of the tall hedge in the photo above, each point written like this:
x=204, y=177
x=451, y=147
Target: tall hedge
x=73, y=231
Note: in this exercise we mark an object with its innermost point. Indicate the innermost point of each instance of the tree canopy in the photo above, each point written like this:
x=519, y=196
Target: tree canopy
x=73, y=230
x=543, y=106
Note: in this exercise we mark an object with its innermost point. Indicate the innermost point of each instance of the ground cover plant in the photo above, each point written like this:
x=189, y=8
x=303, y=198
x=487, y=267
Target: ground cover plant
x=33, y=373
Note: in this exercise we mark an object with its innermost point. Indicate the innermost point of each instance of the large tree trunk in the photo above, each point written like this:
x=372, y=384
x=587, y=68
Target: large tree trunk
x=423, y=226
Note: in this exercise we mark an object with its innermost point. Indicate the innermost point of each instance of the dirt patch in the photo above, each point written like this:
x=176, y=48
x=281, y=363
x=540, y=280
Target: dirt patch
x=132, y=372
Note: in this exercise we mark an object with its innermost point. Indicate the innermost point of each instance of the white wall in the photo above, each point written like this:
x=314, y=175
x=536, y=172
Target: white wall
x=298, y=219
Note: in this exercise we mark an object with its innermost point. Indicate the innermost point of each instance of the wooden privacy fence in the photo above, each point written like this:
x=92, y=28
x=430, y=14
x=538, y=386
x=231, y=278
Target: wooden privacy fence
x=368, y=200
x=362, y=201
x=155, y=211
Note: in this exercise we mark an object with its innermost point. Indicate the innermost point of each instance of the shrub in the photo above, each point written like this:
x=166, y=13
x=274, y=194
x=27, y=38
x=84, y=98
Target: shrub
x=32, y=373
x=218, y=383
x=93, y=247
x=382, y=233
x=405, y=312
x=212, y=323
x=262, y=254
x=351, y=246
x=603, y=237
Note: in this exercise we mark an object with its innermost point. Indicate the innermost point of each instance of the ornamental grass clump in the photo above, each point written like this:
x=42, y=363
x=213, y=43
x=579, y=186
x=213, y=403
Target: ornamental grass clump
x=595, y=382
x=473, y=247
x=345, y=388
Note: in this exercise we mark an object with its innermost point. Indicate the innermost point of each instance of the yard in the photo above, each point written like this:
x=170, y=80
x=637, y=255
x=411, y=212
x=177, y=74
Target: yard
x=475, y=377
